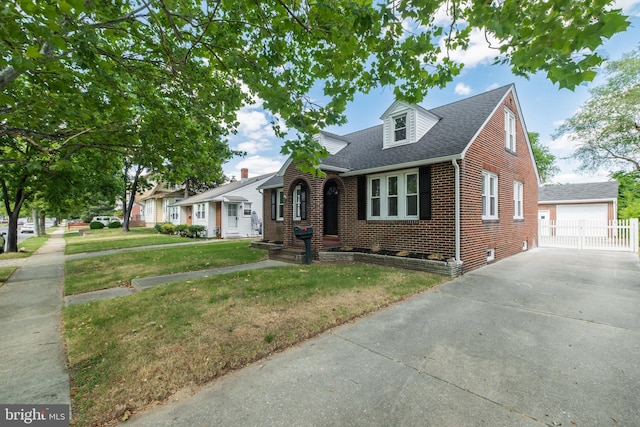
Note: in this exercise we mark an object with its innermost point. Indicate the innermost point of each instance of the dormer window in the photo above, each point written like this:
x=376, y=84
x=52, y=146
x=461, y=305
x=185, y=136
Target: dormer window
x=400, y=128
x=405, y=124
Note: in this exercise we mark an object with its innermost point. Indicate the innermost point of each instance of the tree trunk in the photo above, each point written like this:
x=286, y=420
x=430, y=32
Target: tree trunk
x=20, y=197
x=132, y=198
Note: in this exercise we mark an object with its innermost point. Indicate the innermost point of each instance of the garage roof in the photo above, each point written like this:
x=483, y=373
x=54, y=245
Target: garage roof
x=592, y=191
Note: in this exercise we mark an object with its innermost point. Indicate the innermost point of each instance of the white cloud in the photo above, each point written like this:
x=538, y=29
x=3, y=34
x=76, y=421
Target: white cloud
x=254, y=124
x=254, y=146
x=629, y=7
x=257, y=165
x=574, y=178
x=563, y=146
x=462, y=89
x=492, y=86
x=477, y=53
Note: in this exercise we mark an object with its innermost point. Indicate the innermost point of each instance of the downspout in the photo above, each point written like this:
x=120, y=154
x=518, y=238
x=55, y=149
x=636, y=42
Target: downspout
x=457, y=209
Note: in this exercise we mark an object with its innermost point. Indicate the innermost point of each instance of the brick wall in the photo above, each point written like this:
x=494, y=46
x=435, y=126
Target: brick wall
x=506, y=234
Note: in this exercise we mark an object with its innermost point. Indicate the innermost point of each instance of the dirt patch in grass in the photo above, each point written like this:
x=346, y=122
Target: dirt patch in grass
x=129, y=353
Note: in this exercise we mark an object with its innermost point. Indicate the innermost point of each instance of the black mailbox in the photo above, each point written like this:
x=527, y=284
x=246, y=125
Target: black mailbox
x=304, y=233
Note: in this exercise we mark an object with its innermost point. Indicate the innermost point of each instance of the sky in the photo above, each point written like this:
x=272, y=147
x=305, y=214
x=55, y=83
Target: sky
x=543, y=105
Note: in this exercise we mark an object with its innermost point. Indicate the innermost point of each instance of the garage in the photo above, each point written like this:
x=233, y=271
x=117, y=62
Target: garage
x=592, y=218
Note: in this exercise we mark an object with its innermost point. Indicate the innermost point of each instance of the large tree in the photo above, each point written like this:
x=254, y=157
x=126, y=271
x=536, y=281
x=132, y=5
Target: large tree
x=80, y=75
x=606, y=128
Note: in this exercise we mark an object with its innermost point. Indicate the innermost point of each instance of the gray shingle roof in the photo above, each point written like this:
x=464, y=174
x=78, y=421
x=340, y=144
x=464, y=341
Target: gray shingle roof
x=459, y=123
x=589, y=191
x=219, y=191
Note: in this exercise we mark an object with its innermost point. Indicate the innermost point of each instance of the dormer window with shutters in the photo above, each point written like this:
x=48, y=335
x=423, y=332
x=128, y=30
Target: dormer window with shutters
x=406, y=124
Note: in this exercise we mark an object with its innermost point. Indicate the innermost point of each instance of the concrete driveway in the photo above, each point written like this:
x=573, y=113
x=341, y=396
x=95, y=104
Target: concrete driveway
x=548, y=337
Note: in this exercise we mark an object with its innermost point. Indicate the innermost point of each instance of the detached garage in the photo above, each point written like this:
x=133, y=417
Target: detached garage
x=596, y=201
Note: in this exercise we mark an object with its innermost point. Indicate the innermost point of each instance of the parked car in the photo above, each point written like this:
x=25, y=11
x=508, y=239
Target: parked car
x=28, y=227
x=106, y=220
x=2, y=242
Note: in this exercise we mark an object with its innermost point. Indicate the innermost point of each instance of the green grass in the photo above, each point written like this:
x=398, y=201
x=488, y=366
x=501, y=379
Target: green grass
x=30, y=245
x=127, y=353
x=5, y=273
x=110, y=238
x=89, y=274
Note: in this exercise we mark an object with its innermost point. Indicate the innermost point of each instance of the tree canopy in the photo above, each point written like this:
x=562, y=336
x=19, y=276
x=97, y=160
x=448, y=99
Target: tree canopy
x=606, y=128
x=159, y=82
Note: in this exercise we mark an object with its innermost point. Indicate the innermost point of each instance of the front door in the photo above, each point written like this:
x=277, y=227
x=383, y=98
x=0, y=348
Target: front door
x=232, y=218
x=331, y=209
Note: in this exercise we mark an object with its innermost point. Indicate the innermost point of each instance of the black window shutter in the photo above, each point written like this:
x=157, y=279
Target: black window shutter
x=362, y=197
x=274, y=204
x=425, y=192
x=303, y=201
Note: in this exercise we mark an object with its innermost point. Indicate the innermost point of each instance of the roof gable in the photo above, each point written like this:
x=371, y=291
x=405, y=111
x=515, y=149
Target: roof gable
x=223, y=190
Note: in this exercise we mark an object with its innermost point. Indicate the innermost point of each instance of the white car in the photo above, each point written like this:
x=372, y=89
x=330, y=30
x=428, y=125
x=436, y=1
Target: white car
x=28, y=227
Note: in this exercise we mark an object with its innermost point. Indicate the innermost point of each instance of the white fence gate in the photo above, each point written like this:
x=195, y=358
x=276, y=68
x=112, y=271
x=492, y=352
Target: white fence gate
x=620, y=235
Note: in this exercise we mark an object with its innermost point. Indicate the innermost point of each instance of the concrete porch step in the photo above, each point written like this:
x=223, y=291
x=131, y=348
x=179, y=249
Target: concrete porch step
x=292, y=255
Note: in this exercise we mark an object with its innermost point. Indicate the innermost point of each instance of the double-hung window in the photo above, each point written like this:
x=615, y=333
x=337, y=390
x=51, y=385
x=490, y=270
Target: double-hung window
x=509, y=130
x=280, y=202
x=489, y=195
x=394, y=196
x=246, y=209
x=400, y=128
x=200, y=211
x=517, y=200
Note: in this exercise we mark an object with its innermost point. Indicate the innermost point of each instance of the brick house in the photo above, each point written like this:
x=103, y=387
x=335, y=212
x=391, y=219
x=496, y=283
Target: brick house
x=459, y=181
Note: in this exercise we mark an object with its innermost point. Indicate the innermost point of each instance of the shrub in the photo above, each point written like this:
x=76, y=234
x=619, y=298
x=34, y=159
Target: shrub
x=182, y=230
x=158, y=228
x=96, y=225
x=168, y=228
x=197, y=231
x=115, y=224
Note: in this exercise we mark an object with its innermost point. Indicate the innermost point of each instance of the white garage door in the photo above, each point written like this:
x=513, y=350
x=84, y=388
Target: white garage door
x=592, y=217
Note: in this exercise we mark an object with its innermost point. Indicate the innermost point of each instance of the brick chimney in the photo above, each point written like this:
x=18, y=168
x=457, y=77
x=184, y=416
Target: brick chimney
x=244, y=174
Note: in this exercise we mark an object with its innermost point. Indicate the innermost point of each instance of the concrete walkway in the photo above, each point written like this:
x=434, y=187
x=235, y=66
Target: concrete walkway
x=547, y=337
x=32, y=356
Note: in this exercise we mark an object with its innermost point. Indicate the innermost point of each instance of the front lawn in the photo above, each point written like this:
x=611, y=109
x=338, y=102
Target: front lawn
x=114, y=238
x=5, y=273
x=30, y=245
x=109, y=271
x=129, y=353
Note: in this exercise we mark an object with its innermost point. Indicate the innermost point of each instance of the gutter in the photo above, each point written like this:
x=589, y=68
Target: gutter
x=457, y=209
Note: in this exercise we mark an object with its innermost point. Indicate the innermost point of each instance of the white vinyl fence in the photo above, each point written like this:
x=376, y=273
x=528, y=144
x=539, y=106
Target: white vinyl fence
x=620, y=235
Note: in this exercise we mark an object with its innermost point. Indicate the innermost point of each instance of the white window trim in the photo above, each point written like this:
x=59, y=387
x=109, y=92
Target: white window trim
x=201, y=211
x=280, y=205
x=244, y=209
x=297, y=203
x=401, y=196
x=509, y=130
x=395, y=141
x=488, y=194
x=518, y=202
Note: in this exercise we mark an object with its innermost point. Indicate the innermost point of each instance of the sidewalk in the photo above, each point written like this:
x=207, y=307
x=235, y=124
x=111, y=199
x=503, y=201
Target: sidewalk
x=33, y=368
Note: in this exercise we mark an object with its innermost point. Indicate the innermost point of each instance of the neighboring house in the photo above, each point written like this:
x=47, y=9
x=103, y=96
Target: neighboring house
x=231, y=210
x=157, y=204
x=596, y=201
x=459, y=181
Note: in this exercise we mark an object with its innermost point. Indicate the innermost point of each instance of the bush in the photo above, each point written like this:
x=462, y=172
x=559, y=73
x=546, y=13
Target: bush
x=96, y=225
x=115, y=224
x=196, y=231
x=158, y=228
x=182, y=230
x=168, y=228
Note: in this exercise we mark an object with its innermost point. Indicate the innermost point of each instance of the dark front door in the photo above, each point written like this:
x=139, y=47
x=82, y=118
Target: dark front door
x=331, y=209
